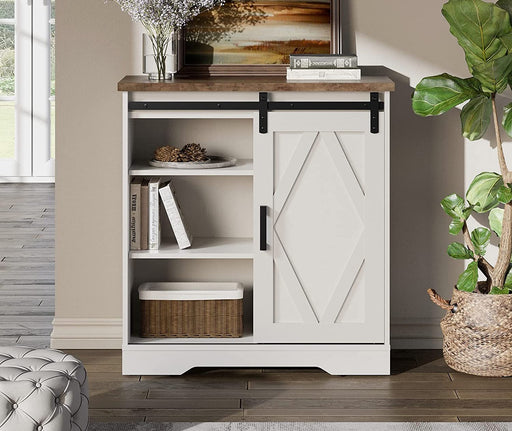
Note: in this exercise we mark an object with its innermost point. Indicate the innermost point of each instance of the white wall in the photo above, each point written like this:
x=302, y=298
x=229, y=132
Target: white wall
x=94, y=50
x=97, y=45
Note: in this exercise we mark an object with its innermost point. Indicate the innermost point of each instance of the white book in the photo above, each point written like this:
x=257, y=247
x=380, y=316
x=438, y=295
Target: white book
x=323, y=74
x=168, y=195
x=322, y=61
x=135, y=219
x=144, y=214
x=153, y=216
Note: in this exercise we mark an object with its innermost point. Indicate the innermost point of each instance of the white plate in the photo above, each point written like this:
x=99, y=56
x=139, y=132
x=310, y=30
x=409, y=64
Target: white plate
x=211, y=163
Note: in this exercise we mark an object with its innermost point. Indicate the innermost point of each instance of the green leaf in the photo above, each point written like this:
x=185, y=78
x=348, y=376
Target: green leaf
x=481, y=237
x=467, y=212
x=507, y=119
x=508, y=279
x=478, y=26
x=453, y=205
x=496, y=220
x=456, y=226
x=504, y=194
x=468, y=279
x=494, y=74
x=506, y=5
x=483, y=191
x=459, y=251
x=475, y=117
x=435, y=95
x=506, y=40
x=497, y=291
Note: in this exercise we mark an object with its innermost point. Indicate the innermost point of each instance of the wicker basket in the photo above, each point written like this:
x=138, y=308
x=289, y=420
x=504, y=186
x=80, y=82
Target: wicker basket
x=184, y=315
x=477, y=333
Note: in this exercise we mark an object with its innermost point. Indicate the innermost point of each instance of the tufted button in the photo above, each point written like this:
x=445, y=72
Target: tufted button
x=15, y=406
x=38, y=384
x=39, y=428
x=57, y=400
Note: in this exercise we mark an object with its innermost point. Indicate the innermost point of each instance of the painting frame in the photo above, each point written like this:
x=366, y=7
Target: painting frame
x=205, y=70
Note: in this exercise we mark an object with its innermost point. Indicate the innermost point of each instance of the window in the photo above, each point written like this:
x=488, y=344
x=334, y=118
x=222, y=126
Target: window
x=27, y=89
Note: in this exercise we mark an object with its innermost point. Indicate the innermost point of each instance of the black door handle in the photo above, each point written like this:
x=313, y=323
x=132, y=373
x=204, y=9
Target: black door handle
x=263, y=227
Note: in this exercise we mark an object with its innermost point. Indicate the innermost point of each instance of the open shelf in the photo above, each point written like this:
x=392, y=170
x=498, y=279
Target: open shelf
x=246, y=338
x=202, y=248
x=243, y=167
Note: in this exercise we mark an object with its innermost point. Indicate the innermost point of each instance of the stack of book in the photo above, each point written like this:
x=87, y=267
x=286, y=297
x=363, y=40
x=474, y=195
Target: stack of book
x=146, y=195
x=323, y=67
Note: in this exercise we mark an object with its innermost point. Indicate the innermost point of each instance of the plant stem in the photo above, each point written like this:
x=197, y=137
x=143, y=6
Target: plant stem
x=160, y=41
x=505, y=250
x=483, y=265
x=499, y=145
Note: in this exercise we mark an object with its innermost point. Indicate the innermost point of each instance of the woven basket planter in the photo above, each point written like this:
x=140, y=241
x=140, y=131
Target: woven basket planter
x=477, y=334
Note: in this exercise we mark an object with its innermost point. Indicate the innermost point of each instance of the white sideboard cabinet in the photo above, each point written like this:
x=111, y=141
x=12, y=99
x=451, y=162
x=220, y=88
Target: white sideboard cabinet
x=302, y=220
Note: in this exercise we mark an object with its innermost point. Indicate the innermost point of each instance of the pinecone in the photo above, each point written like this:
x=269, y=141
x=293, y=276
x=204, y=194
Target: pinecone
x=194, y=152
x=167, y=154
x=182, y=157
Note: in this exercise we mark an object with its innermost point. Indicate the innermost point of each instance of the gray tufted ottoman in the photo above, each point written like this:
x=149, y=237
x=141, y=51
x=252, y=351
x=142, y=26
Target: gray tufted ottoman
x=42, y=390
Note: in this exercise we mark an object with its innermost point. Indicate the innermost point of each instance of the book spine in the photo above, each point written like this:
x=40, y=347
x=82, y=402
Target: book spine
x=323, y=62
x=323, y=74
x=135, y=215
x=144, y=215
x=175, y=217
x=153, y=216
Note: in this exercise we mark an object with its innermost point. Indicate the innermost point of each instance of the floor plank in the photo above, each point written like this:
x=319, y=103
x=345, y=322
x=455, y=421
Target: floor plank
x=354, y=394
x=27, y=263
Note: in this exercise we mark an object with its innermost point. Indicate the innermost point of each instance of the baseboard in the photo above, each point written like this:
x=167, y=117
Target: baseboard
x=82, y=333
x=416, y=335
x=27, y=179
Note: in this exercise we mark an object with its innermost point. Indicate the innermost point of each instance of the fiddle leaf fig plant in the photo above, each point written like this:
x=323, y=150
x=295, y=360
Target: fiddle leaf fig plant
x=484, y=31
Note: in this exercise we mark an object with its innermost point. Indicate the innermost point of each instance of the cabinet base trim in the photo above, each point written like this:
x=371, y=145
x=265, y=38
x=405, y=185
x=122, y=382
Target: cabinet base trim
x=334, y=359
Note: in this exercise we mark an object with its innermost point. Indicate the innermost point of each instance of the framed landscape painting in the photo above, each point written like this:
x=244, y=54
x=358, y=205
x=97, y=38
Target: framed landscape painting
x=256, y=37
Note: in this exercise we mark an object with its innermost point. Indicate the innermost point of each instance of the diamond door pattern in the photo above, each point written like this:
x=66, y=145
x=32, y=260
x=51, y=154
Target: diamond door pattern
x=327, y=241
x=318, y=157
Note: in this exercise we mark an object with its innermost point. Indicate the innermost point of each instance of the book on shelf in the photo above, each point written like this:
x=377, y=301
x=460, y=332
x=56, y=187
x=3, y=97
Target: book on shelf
x=144, y=214
x=153, y=214
x=323, y=61
x=135, y=209
x=323, y=74
x=173, y=210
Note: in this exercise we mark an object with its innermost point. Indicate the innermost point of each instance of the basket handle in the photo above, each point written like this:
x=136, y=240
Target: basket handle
x=441, y=302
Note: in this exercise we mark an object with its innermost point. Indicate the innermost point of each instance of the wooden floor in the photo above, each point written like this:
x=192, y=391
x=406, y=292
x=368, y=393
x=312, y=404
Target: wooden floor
x=421, y=388
x=27, y=263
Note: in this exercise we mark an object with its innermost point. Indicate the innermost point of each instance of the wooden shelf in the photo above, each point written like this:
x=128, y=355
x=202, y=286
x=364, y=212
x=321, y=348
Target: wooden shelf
x=202, y=248
x=252, y=83
x=243, y=167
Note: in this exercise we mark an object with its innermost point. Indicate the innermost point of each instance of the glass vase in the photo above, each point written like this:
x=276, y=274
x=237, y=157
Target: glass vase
x=160, y=56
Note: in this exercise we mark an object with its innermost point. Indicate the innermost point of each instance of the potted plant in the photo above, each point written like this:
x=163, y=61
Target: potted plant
x=477, y=328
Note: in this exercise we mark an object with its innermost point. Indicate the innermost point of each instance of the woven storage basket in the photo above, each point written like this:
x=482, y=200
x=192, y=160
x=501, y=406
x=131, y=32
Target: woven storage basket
x=477, y=334
x=185, y=315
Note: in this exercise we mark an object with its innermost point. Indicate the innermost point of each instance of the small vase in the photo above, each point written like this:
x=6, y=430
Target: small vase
x=160, y=56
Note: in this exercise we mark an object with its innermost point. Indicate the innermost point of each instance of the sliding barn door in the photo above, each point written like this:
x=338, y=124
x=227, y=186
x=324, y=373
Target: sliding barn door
x=320, y=182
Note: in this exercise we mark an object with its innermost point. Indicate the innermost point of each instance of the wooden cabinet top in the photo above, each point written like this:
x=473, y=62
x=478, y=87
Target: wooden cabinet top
x=253, y=83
